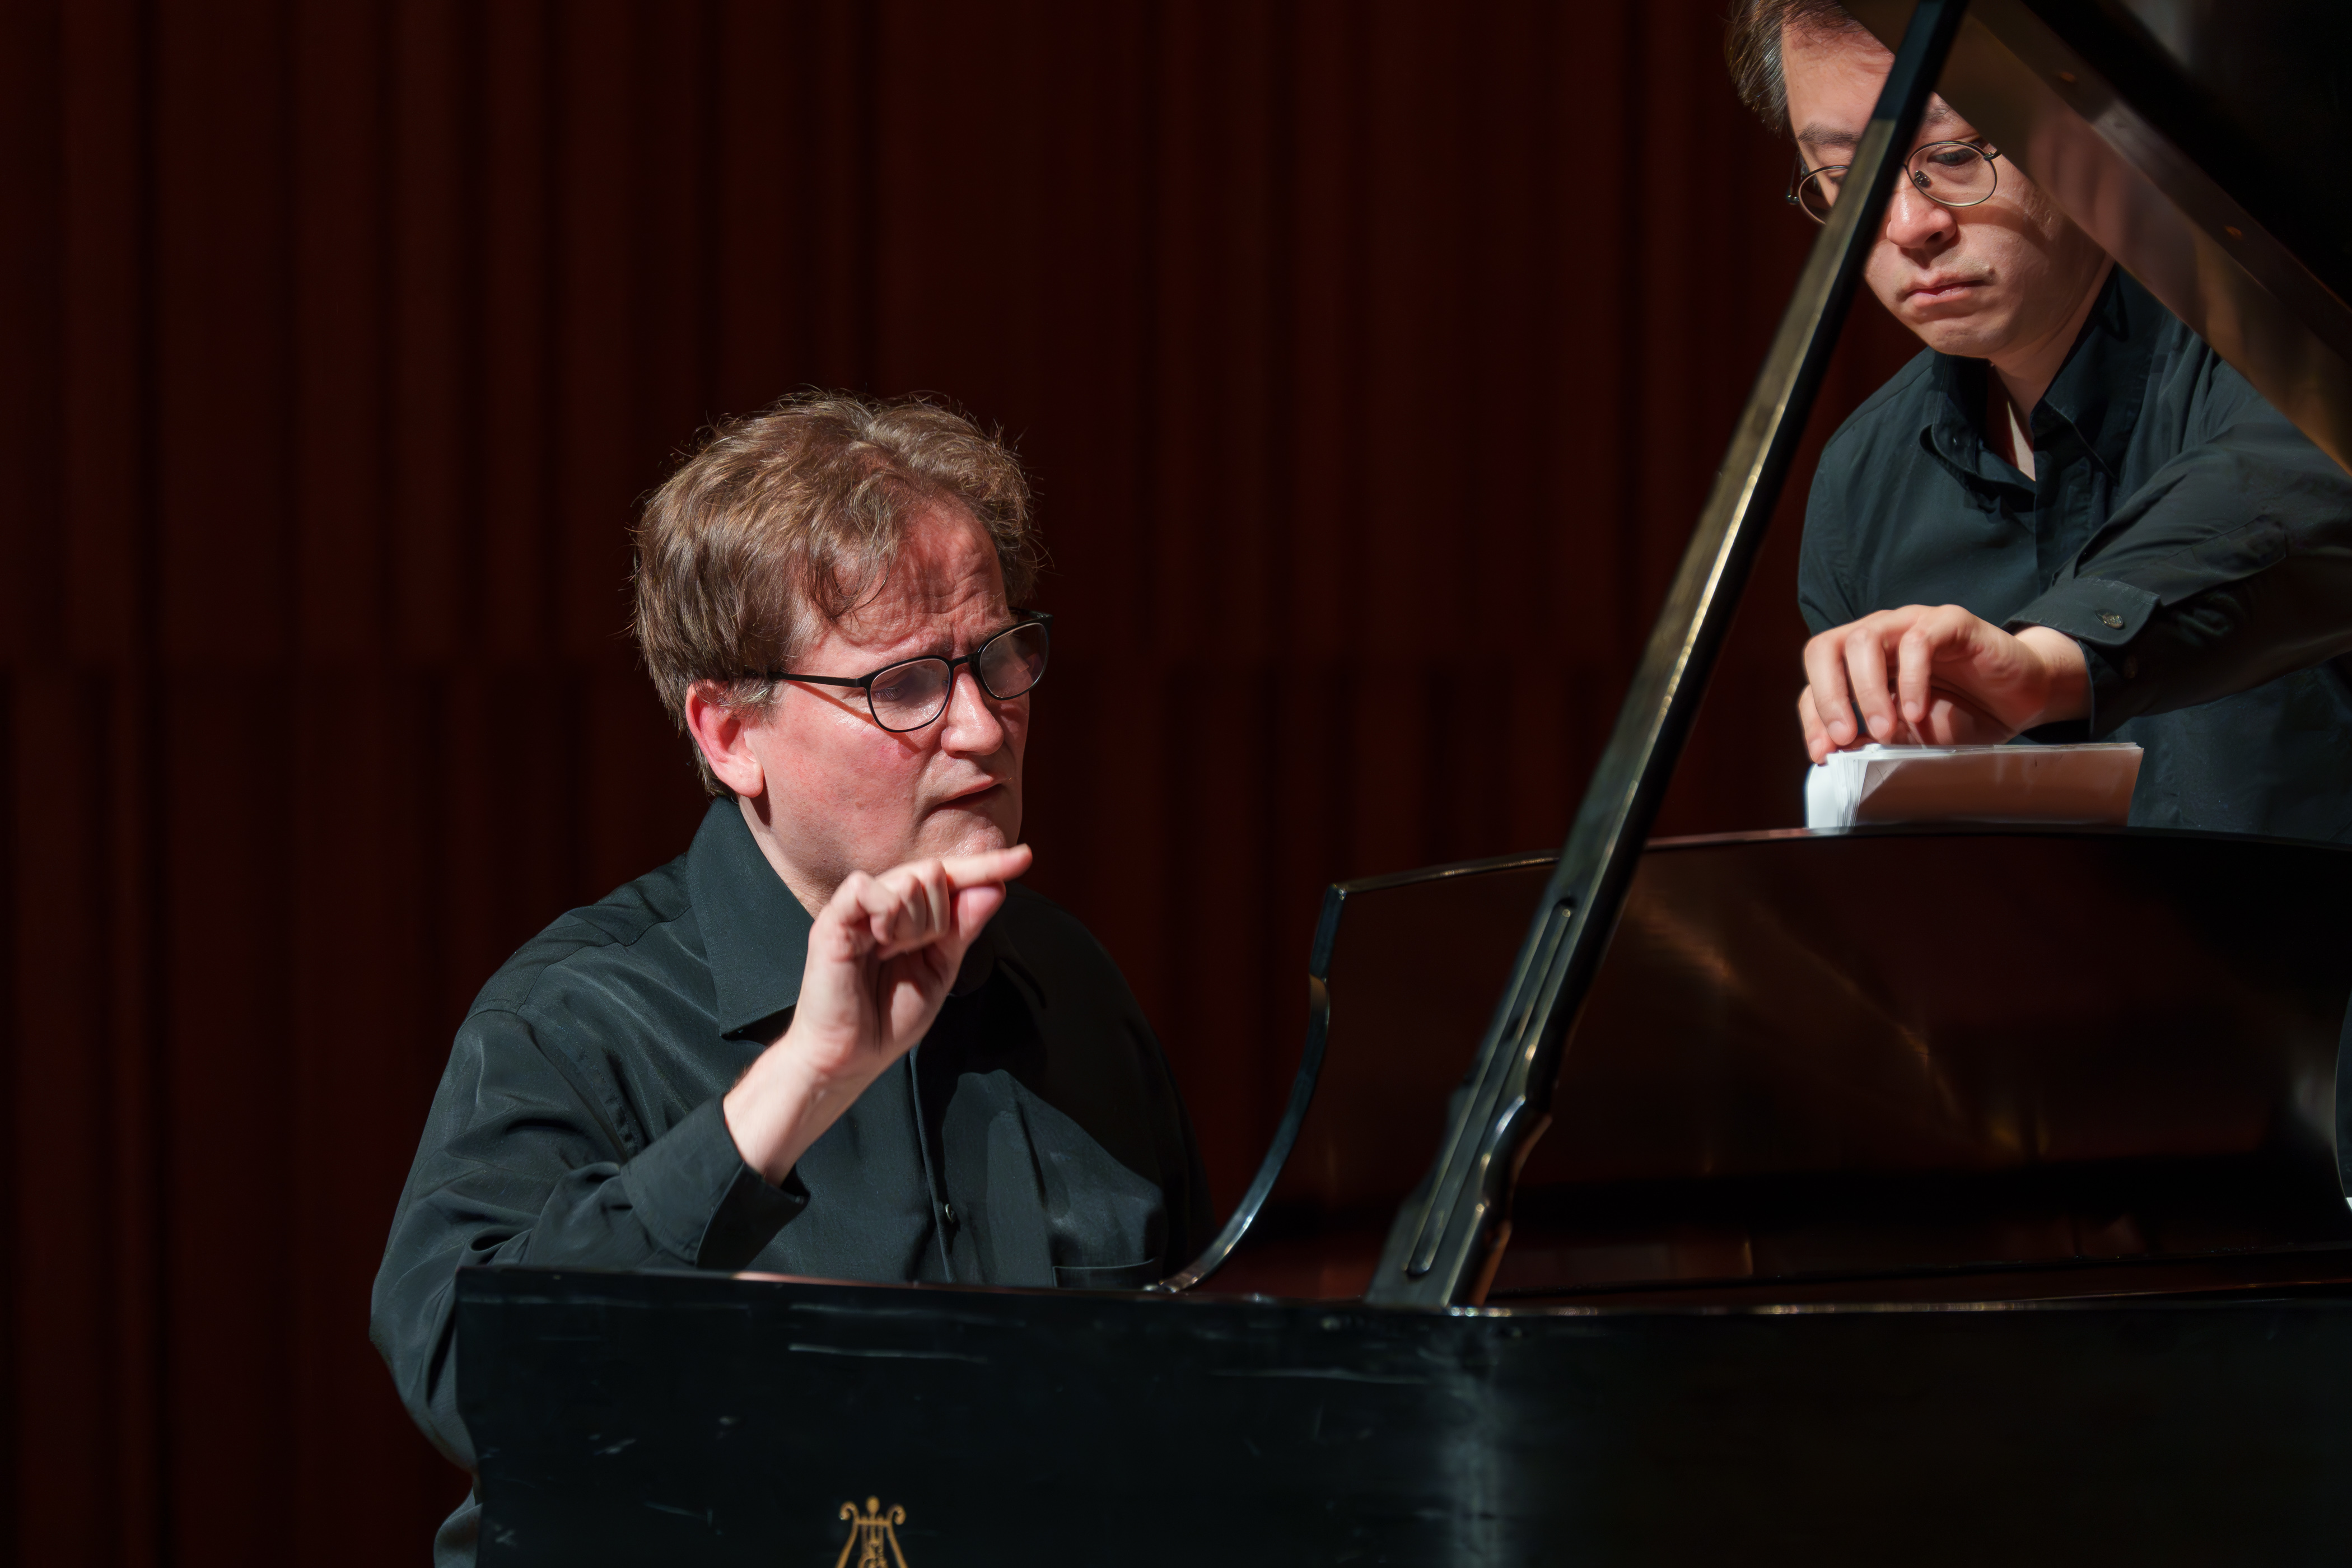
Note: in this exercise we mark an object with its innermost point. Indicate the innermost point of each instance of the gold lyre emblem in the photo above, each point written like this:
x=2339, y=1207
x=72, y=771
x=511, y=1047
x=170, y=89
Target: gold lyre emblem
x=869, y=1532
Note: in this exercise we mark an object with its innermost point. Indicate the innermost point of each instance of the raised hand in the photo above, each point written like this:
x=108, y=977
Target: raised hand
x=881, y=956
x=1935, y=676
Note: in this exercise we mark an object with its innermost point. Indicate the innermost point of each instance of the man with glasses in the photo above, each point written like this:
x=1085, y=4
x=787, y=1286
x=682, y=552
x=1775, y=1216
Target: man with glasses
x=836, y=1037
x=2068, y=518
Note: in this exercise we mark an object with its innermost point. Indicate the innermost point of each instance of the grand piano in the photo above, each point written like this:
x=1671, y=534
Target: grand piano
x=1649, y=1201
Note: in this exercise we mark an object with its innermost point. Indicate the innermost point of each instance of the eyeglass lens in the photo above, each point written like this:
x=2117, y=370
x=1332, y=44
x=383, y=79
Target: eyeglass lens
x=910, y=695
x=1952, y=172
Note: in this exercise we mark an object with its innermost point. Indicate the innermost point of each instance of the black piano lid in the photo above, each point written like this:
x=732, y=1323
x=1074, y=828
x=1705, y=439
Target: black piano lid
x=2201, y=142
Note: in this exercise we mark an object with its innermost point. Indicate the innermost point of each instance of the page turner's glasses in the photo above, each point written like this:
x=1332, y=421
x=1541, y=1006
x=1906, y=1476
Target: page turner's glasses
x=1956, y=173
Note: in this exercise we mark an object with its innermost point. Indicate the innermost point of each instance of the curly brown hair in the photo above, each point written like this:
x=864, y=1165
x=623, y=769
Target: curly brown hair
x=1751, y=47
x=785, y=520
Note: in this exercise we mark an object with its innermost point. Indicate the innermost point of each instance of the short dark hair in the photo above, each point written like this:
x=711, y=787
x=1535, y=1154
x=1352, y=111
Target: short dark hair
x=784, y=521
x=1751, y=47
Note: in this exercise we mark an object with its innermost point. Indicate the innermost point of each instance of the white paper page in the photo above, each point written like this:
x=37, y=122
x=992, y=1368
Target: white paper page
x=1973, y=783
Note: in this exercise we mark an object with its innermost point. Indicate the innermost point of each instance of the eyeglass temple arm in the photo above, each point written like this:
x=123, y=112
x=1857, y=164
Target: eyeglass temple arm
x=1034, y=618
x=816, y=680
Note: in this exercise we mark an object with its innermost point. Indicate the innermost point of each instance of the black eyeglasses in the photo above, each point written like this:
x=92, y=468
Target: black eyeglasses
x=1955, y=173
x=913, y=692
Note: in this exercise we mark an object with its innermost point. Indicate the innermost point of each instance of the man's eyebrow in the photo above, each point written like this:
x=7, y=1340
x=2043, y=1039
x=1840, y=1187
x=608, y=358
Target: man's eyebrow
x=930, y=642
x=1939, y=113
x=899, y=650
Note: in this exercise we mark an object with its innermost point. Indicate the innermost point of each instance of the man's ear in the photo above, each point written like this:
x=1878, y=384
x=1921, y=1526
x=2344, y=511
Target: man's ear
x=721, y=730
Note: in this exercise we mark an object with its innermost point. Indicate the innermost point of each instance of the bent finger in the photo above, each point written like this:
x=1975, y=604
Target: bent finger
x=938, y=900
x=1866, y=668
x=927, y=897
x=1935, y=639
x=1817, y=745
x=850, y=914
x=916, y=909
x=1826, y=685
x=1915, y=664
x=890, y=912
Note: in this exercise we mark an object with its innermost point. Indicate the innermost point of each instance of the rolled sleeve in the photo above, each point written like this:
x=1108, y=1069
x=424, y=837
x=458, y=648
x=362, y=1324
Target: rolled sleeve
x=2230, y=568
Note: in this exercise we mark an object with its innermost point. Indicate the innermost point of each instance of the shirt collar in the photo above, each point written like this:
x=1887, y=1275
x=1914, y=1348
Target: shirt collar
x=753, y=928
x=1954, y=428
x=757, y=933
x=2097, y=390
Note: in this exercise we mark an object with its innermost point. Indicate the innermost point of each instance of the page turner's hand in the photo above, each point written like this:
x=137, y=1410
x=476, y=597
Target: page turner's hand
x=1935, y=676
x=881, y=956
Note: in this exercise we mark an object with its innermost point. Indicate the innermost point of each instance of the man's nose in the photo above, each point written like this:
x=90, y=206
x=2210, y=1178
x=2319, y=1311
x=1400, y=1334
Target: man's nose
x=1915, y=222
x=971, y=726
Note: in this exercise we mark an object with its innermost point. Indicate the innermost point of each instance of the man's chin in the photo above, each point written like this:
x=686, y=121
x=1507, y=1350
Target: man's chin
x=1972, y=333
x=974, y=829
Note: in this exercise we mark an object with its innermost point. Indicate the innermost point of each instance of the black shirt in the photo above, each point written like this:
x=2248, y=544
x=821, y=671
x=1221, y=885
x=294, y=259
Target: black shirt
x=1034, y=1137
x=2192, y=539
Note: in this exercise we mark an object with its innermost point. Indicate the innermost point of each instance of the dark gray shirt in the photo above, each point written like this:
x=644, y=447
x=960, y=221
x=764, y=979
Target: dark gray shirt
x=1034, y=1137
x=2178, y=527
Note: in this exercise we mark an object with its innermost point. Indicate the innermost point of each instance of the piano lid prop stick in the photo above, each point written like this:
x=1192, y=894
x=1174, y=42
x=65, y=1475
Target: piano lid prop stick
x=1446, y=1239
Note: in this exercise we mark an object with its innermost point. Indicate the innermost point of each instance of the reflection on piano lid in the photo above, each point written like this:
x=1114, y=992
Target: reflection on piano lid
x=1849, y=1065
x=2201, y=142
x=1771, y=1099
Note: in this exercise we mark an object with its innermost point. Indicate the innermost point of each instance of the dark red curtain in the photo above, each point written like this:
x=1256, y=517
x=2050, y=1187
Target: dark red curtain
x=1372, y=361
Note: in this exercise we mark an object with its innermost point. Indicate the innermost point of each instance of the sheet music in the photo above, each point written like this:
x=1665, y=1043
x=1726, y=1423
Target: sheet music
x=1973, y=783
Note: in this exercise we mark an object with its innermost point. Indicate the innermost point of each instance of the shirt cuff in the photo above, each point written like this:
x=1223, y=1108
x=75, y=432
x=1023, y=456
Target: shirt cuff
x=2104, y=616
x=2097, y=612
x=701, y=1202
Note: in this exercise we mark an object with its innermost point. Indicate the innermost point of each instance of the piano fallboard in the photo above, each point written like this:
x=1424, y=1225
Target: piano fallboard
x=682, y=1418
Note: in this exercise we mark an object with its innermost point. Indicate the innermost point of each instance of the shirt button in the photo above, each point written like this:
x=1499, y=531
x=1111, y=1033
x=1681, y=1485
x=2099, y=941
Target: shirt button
x=2112, y=619
x=947, y=1212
